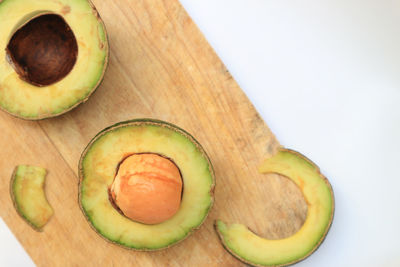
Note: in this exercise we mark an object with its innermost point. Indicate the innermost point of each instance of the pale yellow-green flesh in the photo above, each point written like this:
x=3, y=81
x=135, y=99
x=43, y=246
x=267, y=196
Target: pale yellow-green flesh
x=318, y=195
x=99, y=167
x=23, y=99
x=29, y=196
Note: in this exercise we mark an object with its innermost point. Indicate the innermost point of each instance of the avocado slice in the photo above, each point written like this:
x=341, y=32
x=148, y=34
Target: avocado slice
x=100, y=162
x=317, y=191
x=53, y=55
x=27, y=193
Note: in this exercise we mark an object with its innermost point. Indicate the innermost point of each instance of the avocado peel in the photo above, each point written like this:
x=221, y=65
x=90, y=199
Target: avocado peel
x=252, y=249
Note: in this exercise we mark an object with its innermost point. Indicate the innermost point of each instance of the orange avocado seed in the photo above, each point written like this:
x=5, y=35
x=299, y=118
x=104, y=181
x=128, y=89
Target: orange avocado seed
x=147, y=188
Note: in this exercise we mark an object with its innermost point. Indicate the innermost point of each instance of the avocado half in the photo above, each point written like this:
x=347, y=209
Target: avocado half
x=99, y=164
x=317, y=191
x=27, y=192
x=53, y=55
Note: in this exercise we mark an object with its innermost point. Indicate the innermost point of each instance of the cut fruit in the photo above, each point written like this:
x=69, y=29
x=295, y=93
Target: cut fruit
x=27, y=193
x=53, y=55
x=100, y=163
x=258, y=251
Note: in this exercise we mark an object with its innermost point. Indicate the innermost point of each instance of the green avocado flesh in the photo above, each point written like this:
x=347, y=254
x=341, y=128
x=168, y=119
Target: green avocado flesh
x=41, y=54
x=253, y=249
x=27, y=192
x=98, y=166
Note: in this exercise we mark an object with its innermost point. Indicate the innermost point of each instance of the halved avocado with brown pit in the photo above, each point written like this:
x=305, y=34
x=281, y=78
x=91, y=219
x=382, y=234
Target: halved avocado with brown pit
x=27, y=192
x=317, y=191
x=145, y=184
x=53, y=55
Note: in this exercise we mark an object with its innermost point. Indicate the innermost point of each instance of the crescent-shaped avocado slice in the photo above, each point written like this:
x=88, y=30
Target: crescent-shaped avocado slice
x=258, y=251
x=27, y=193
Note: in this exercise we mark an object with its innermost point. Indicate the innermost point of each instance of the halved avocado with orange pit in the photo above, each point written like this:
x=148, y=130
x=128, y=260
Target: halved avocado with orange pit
x=317, y=191
x=53, y=55
x=145, y=184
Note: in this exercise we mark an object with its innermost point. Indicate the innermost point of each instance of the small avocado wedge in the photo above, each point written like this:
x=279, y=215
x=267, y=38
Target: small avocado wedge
x=53, y=55
x=143, y=154
x=317, y=191
x=27, y=192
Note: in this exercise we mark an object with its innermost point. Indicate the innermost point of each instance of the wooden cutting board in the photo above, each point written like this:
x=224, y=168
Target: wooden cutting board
x=161, y=67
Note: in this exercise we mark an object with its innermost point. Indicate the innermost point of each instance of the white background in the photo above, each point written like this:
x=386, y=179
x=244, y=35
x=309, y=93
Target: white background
x=325, y=76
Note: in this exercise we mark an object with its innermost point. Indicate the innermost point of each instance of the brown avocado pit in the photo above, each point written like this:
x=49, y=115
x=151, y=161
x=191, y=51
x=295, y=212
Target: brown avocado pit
x=43, y=51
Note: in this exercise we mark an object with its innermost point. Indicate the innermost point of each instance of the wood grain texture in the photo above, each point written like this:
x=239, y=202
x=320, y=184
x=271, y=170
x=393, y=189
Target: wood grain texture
x=160, y=67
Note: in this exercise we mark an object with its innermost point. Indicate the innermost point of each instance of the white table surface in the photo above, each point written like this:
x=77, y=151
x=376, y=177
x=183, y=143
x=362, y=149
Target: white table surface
x=325, y=76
